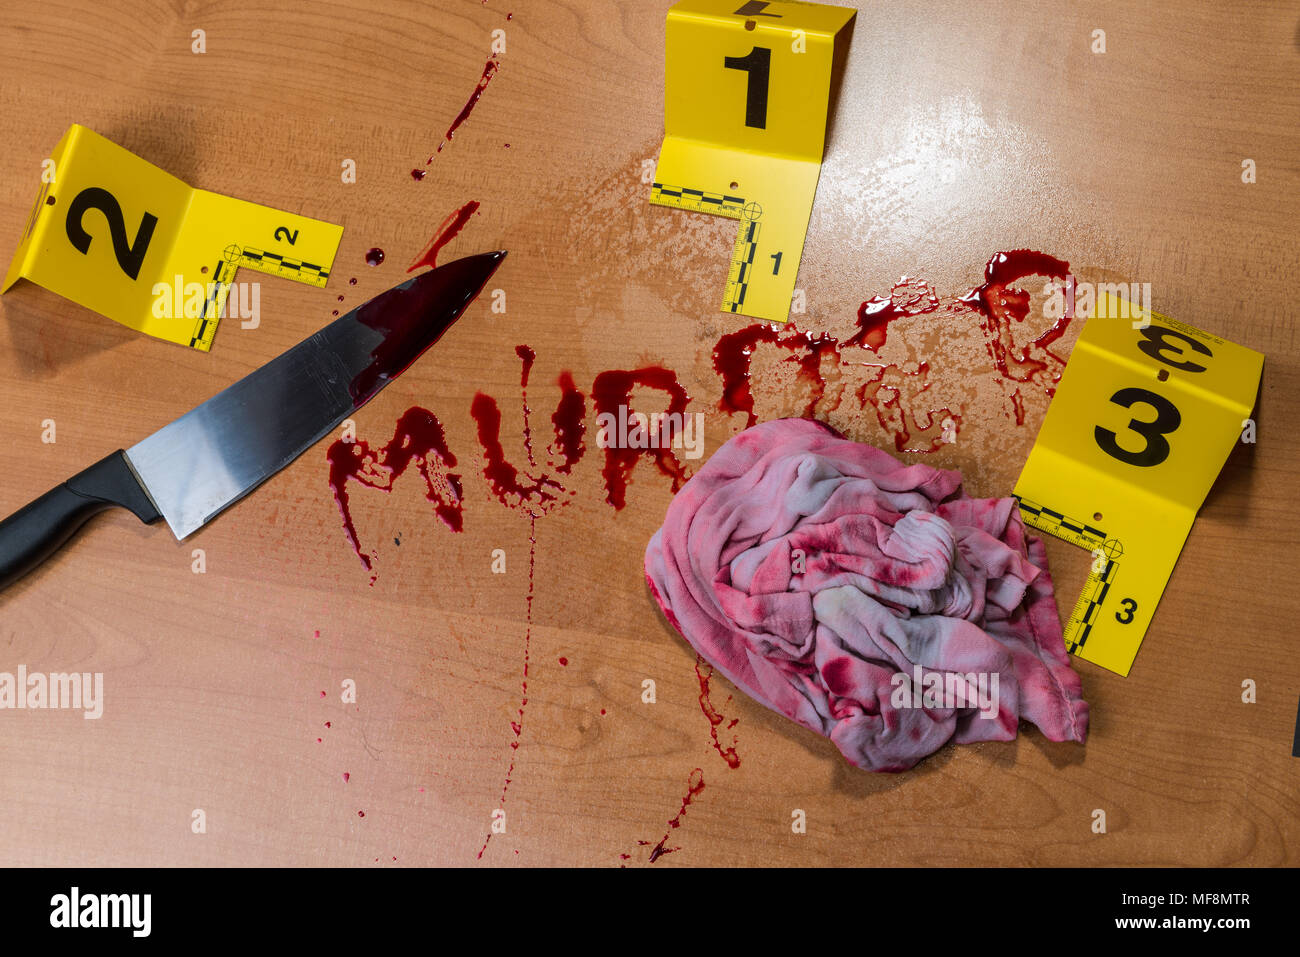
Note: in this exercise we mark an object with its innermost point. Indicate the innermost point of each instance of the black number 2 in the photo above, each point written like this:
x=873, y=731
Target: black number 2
x=290, y=235
x=758, y=64
x=1167, y=419
x=129, y=253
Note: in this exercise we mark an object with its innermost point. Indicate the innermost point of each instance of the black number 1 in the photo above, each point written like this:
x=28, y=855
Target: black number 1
x=776, y=263
x=758, y=64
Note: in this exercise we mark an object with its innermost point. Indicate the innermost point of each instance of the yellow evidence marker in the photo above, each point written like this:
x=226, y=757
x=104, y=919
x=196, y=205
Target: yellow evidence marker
x=1143, y=420
x=118, y=235
x=746, y=91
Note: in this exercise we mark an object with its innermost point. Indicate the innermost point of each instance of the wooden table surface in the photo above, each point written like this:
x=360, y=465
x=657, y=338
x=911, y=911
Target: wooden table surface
x=957, y=133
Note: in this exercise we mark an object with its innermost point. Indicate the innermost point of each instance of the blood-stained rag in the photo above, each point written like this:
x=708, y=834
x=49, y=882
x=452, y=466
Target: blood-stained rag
x=871, y=601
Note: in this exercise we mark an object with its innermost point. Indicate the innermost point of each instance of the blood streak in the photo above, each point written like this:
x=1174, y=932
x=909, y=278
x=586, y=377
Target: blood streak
x=539, y=492
x=517, y=726
x=418, y=438
x=570, y=425
x=489, y=70
x=504, y=479
x=533, y=495
x=526, y=358
x=714, y=716
x=612, y=392
x=694, y=785
x=449, y=230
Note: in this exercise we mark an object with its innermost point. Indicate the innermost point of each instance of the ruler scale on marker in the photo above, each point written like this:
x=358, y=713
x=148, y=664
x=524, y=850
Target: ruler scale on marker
x=740, y=270
x=1098, y=583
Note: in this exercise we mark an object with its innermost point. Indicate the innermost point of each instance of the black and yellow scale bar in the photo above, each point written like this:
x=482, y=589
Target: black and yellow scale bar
x=697, y=201
x=1098, y=584
x=742, y=264
x=223, y=274
x=733, y=207
x=278, y=265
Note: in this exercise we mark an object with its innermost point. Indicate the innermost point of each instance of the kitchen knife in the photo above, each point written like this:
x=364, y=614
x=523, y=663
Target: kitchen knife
x=191, y=470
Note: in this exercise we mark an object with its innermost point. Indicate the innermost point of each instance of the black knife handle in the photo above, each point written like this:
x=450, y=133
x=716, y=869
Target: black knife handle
x=36, y=531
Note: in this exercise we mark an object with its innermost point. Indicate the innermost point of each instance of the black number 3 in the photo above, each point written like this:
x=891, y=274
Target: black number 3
x=1126, y=616
x=1156, y=342
x=1156, y=450
x=129, y=253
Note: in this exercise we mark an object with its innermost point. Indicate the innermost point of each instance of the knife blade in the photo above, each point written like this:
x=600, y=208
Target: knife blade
x=192, y=469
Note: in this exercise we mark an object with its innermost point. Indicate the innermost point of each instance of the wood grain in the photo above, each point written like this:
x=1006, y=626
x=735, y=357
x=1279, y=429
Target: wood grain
x=958, y=132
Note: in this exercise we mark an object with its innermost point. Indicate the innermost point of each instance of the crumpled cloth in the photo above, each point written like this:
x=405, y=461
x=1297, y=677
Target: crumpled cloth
x=811, y=570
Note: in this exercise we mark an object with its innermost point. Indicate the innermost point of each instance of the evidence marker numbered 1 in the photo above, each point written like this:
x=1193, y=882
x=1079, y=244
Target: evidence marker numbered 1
x=1143, y=420
x=746, y=93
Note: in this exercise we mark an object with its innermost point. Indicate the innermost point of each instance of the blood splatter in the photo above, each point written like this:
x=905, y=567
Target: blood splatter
x=1000, y=303
x=418, y=174
x=733, y=356
x=875, y=315
x=346, y=777
x=564, y=662
x=374, y=256
x=884, y=392
x=418, y=438
x=449, y=230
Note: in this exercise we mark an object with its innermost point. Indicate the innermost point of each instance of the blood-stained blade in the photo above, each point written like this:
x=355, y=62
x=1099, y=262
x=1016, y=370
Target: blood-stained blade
x=214, y=455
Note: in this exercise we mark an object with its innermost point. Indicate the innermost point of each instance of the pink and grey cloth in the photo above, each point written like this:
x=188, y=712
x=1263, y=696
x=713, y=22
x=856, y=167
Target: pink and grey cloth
x=812, y=571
